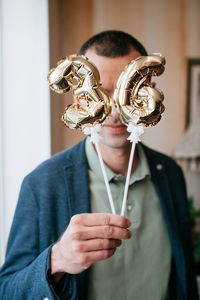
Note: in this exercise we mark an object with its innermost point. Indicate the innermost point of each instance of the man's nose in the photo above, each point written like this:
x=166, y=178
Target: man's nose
x=114, y=112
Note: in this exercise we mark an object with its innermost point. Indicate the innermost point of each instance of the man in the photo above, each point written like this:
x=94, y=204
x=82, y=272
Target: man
x=64, y=245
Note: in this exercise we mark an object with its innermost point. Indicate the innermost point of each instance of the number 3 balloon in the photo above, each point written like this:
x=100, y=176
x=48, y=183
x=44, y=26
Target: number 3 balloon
x=77, y=72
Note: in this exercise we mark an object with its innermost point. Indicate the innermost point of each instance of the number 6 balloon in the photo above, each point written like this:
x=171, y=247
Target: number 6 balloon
x=136, y=100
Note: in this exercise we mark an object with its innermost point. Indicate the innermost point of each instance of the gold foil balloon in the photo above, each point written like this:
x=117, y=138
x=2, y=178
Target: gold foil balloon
x=93, y=103
x=136, y=100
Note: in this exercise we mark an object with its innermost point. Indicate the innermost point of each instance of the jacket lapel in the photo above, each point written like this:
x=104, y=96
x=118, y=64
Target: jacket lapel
x=77, y=187
x=77, y=182
x=161, y=182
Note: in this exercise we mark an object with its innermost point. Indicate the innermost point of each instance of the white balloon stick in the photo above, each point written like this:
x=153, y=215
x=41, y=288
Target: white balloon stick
x=134, y=138
x=95, y=138
x=128, y=175
x=105, y=179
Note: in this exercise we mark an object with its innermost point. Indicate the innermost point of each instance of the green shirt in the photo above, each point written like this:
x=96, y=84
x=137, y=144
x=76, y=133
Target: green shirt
x=140, y=267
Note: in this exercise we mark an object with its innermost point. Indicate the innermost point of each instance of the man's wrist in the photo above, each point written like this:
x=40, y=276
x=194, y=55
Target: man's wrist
x=56, y=263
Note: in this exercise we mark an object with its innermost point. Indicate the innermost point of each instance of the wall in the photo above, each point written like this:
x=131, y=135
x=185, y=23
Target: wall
x=167, y=26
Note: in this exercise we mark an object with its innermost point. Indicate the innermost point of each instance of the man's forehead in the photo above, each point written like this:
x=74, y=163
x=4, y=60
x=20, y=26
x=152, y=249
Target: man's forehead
x=111, y=62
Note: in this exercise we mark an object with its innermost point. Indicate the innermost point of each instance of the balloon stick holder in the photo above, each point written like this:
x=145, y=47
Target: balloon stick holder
x=134, y=138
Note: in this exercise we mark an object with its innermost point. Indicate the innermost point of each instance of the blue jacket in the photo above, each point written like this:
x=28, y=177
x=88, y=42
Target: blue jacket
x=52, y=194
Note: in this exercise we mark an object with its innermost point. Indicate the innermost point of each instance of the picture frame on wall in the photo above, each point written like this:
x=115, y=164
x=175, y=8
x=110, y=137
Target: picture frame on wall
x=193, y=90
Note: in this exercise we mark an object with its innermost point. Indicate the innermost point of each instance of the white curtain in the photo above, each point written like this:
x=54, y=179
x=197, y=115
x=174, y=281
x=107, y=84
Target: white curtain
x=24, y=99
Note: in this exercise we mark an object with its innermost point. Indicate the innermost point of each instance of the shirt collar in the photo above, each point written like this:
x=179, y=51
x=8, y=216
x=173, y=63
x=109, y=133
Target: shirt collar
x=142, y=169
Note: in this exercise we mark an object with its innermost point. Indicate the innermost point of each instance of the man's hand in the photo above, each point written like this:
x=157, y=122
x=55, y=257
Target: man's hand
x=89, y=238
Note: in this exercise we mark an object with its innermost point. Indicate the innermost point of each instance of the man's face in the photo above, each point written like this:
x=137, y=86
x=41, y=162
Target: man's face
x=113, y=132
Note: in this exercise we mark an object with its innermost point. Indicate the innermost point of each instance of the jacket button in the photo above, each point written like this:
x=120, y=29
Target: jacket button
x=159, y=167
x=46, y=298
x=129, y=207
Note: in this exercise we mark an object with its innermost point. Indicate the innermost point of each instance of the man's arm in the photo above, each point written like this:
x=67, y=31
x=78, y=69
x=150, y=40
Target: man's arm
x=25, y=274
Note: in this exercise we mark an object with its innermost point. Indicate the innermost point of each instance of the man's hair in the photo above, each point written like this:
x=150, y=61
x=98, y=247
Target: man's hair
x=113, y=43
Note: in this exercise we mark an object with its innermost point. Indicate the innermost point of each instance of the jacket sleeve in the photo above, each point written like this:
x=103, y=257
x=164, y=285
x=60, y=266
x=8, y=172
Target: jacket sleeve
x=24, y=274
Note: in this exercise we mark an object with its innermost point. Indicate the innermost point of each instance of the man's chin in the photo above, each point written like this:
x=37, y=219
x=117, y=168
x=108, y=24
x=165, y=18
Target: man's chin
x=116, y=141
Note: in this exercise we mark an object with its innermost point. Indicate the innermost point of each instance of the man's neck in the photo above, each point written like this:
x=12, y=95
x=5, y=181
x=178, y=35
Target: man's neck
x=117, y=159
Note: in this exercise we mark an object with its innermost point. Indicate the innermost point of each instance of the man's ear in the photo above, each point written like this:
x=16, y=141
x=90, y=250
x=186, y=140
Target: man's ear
x=153, y=84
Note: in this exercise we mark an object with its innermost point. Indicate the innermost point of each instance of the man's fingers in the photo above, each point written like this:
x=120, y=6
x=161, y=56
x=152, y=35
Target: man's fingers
x=101, y=219
x=95, y=244
x=78, y=232
x=90, y=238
x=88, y=258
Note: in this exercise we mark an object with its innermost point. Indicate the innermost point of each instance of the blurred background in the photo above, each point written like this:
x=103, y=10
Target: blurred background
x=35, y=34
